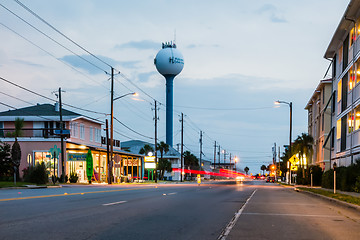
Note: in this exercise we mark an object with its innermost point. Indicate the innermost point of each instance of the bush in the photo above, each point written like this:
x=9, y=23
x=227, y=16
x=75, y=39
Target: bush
x=36, y=174
x=73, y=177
x=328, y=179
x=356, y=188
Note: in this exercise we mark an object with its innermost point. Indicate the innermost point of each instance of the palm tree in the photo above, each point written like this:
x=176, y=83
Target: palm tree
x=304, y=146
x=263, y=168
x=246, y=169
x=146, y=149
x=163, y=148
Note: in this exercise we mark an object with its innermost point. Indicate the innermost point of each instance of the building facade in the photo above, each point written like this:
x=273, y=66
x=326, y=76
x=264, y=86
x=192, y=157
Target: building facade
x=319, y=124
x=41, y=133
x=344, y=52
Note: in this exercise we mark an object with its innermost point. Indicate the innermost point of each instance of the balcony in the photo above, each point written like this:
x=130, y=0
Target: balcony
x=35, y=133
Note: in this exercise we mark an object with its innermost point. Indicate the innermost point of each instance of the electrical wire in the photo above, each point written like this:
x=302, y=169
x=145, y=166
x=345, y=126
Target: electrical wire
x=132, y=129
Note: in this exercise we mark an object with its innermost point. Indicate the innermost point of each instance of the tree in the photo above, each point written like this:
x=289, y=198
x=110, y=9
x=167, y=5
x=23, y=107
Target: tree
x=163, y=148
x=263, y=168
x=163, y=164
x=304, y=146
x=16, y=149
x=190, y=161
x=246, y=169
x=5, y=160
x=146, y=149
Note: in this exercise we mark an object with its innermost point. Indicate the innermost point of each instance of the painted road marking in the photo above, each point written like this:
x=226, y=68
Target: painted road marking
x=173, y=193
x=108, y=204
x=291, y=214
x=69, y=194
x=233, y=221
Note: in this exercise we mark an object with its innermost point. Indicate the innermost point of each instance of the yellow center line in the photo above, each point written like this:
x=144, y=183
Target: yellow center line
x=69, y=194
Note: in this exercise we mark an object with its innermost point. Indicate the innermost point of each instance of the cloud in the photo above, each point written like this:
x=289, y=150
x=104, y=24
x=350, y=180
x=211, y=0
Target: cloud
x=272, y=12
x=141, y=45
x=145, y=77
x=28, y=63
x=89, y=63
x=129, y=64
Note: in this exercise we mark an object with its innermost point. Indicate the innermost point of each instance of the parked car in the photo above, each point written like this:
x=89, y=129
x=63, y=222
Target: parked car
x=270, y=179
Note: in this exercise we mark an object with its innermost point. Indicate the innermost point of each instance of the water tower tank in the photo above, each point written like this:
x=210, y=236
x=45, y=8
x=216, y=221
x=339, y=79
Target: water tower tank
x=169, y=62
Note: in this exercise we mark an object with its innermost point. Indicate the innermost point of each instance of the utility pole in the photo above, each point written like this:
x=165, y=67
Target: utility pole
x=219, y=154
x=214, y=154
x=62, y=139
x=182, y=147
x=110, y=160
x=224, y=156
x=156, y=118
x=200, y=148
x=107, y=141
x=230, y=162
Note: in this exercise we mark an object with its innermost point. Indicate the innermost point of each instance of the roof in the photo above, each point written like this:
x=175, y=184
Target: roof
x=134, y=146
x=40, y=112
x=344, y=27
x=321, y=84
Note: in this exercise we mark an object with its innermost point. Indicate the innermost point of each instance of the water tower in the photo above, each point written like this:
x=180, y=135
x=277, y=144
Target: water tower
x=169, y=63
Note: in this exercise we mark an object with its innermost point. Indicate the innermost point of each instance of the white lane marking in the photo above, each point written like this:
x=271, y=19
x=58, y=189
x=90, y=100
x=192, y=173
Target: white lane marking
x=108, y=204
x=291, y=214
x=173, y=193
x=233, y=221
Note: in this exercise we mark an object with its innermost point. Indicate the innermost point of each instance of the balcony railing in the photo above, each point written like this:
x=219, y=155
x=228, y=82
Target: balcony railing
x=35, y=133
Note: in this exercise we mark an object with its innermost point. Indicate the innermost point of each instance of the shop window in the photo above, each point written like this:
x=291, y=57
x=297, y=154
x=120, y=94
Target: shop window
x=45, y=157
x=82, y=131
x=338, y=129
x=91, y=134
x=339, y=90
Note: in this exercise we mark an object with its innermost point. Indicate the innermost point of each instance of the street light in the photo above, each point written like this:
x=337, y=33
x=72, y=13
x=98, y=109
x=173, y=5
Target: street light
x=110, y=161
x=290, y=106
x=235, y=160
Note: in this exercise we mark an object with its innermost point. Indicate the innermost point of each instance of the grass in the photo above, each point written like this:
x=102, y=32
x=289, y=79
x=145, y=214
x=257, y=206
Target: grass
x=338, y=196
x=11, y=184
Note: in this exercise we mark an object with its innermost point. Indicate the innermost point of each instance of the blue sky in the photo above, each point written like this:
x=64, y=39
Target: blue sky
x=240, y=56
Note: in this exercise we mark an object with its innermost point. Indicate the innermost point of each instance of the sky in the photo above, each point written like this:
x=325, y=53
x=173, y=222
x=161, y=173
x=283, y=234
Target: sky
x=240, y=57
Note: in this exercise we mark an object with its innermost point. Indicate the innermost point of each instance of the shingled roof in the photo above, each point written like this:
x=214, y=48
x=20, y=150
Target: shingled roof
x=38, y=110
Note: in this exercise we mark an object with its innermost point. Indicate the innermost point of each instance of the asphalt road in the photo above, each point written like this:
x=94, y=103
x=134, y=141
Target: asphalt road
x=253, y=210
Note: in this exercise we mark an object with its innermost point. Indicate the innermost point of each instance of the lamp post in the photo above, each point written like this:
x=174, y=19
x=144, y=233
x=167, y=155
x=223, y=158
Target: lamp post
x=290, y=106
x=235, y=161
x=110, y=161
x=334, y=166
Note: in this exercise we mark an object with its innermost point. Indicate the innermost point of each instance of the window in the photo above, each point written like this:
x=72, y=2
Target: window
x=352, y=78
x=340, y=53
x=74, y=131
x=97, y=135
x=352, y=37
x=91, y=134
x=357, y=118
x=1, y=129
x=82, y=131
x=339, y=90
x=338, y=129
x=358, y=70
x=350, y=122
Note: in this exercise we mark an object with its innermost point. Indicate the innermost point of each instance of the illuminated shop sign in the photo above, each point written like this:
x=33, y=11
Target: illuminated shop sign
x=76, y=156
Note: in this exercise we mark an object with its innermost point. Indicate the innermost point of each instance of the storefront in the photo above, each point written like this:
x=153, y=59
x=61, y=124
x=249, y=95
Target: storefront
x=126, y=167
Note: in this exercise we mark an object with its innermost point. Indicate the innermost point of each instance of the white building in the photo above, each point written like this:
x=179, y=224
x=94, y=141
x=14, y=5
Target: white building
x=344, y=51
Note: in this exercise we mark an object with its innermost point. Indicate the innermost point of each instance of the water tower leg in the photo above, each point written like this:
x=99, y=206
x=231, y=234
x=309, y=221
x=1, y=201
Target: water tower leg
x=169, y=110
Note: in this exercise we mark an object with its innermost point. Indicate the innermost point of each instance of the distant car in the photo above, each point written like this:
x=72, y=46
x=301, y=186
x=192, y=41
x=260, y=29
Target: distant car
x=270, y=179
x=240, y=178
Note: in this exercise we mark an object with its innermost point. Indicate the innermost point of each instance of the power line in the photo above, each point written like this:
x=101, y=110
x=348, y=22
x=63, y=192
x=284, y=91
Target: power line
x=132, y=129
x=50, y=54
x=55, y=29
x=52, y=38
x=40, y=95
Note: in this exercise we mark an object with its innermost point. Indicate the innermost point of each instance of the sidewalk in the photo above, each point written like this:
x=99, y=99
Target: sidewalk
x=339, y=200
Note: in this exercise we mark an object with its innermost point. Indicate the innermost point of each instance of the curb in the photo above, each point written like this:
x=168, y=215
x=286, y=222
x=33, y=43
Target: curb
x=338, y=202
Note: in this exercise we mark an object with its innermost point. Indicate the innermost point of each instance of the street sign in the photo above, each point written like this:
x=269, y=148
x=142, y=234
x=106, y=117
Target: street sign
x=294, y=160
x=294, y=168
x=54, y=151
